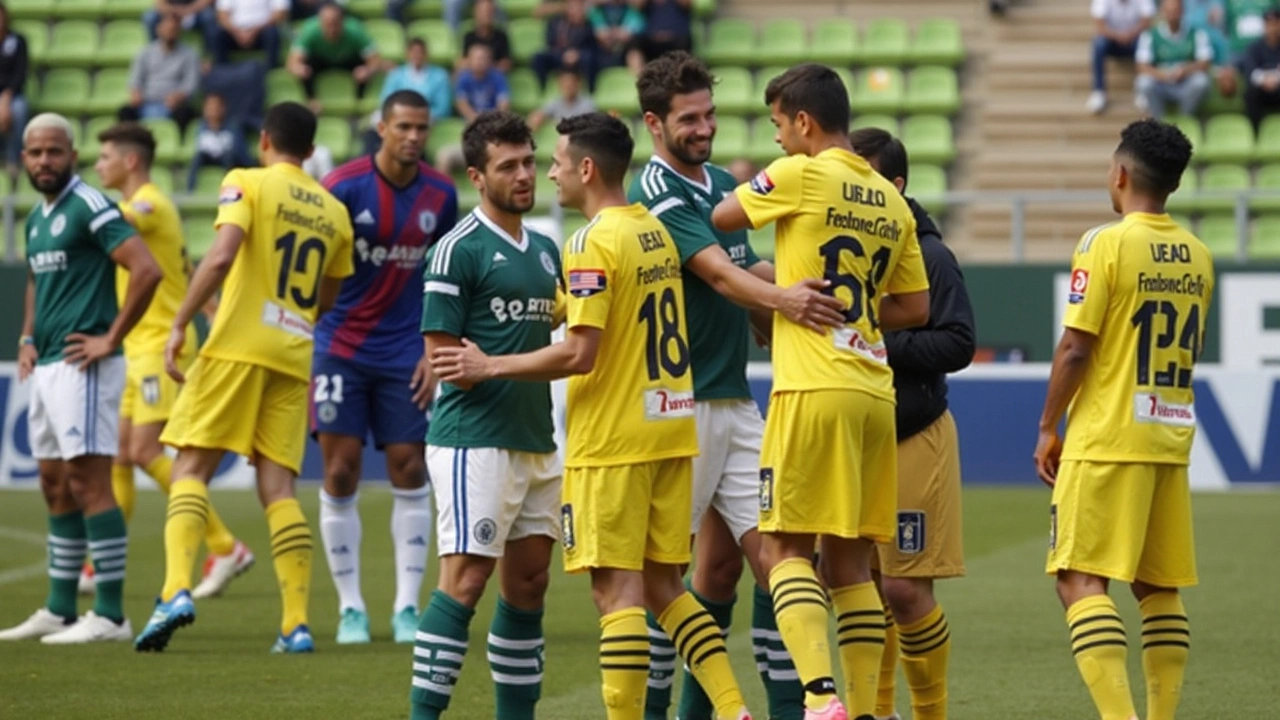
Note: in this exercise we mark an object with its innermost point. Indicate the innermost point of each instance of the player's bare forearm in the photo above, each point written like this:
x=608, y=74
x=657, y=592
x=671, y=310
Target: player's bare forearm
x=210, y=273
x=742, y=287
x=908, y=310
x=1070, y=363
x=29, y=307
x=729, y=216
x=575, y=355
x=144, y=278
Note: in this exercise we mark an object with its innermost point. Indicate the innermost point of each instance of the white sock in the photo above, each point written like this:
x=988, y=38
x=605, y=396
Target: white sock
x=411, y=521
x=340, y=529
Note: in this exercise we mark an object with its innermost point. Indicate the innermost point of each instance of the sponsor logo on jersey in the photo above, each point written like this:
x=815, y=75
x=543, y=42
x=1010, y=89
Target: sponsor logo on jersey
x=230, y=195
x=485, y=531
x=48, y=261
x=365, y=218
x=59, y=224
x=766, y=489
x=848, y=339
x=761, y=183
x=911, y=528
x=406, y=257
x=280, y=317
x=1151, y=408
x=585, y=283
x=547, y=263
x=664, y=404
x=1079, y=283
x=534, y=309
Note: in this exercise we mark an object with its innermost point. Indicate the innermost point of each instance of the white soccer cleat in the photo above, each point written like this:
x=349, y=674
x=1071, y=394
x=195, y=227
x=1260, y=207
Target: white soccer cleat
x=91, y=628
x=220, y=570
x=87, y=586
x=1097, y=102
x=41, y=623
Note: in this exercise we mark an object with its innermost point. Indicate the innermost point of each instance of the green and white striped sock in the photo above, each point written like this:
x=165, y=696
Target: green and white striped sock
x=662, y=671
x=67, y=548
x=516, y=648
x=108, y=546
x=438, y=651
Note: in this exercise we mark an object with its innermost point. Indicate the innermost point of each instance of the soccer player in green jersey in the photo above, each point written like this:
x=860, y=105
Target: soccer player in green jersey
x=70, y=348
x=490, y=450
x=724, y=279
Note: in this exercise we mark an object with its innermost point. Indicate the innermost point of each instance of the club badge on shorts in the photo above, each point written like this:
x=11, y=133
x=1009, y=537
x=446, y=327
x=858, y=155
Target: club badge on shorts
x=485, y=531
x=766, y=489
x=1053, y=526
x=566, y=526
x=150, y=387
x=911, y=531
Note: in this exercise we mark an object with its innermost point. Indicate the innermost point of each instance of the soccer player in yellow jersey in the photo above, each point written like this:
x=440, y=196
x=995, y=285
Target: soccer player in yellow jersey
x=1135, y=320
x=283, y=247
x=149, y=393
x=829, y=456
x=628, y=476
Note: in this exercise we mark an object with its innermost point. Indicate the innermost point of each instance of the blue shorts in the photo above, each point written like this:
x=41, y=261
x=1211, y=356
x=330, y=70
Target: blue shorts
x=349, y=398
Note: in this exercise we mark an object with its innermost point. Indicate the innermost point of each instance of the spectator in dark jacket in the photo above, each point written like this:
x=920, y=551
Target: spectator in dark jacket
x=13, y=79
x=571, y=42
x=668, y=25
x=927, y=546
x=1260, y=71
x=486, y=31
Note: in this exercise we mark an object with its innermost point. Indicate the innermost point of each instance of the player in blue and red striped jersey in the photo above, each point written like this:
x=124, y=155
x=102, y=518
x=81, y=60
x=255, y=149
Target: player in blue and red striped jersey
x=368, y=374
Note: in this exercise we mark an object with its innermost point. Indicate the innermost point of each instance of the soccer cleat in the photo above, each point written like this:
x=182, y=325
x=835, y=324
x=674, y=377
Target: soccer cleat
x=404, y=624
x=41, y=623
x=167, y=617
x=87, y=584
x=91, y=628
x=220, y=570
x=353, y=627
x=1097, y=102
x=744, y=714
x=833, y=711
x=298, y=641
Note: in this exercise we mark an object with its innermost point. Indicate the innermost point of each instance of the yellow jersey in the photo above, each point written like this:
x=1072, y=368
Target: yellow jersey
x=295, y=233
x=839, y=220
x=156, y=219
x=622, y=272
x=1142, y=286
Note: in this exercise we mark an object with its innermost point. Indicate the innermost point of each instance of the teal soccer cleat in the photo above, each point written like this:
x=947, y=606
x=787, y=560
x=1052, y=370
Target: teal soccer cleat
x=353, y=627
x=298, y=641
x=167, y=617
x=404, y=624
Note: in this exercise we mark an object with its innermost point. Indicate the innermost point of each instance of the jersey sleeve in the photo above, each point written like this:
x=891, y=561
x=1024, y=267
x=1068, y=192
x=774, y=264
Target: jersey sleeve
x=235, y=202
x=109, y=229
x=690, y=232
x=446, y=290
x=1092, y=276
x=140, y=213
x=909, y=275
x=589, y=268
x=775, y=191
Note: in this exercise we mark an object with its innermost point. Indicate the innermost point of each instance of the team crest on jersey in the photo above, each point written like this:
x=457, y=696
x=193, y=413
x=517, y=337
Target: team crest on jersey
x=585, y=283
x=1079, y=283
x=566, y=526
x=427, y=222
x=911, y=529
x=59, y=224
x=230, y=195
x=151, y=389
x=547, y=263
x=485, y=531
x=766, y=489
x=761, y=183
x=327, y=412
x=31, y=234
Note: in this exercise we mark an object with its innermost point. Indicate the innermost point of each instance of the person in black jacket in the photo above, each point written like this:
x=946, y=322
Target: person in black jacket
x=13, y=78
x=928, y=543
x=1260, y=68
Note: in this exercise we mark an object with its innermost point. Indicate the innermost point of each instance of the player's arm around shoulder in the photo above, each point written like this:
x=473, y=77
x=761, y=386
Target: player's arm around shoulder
x=773, y=193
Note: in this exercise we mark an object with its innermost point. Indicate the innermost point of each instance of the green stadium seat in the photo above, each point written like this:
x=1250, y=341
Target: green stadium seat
x=885, y=42
x=928, y=184
x=367, y=9
x=424, y=10
x=1190, y=126
x=373, y=89
x=764, y=241
x=878, y=90
x=846, y=77
x=64, y=91
x=29, y=10
x=933, y=90
x=1218, y=233
x=1183, y=220
x=110, y=91
x=734, y=92
x=544, y=194
x=835, y=42
x=169, y=148
x=73, y=43
x=121, y=41
x=78, y=9
x=763, y=150
x=872, y=120
x=442, y=43
x=644, y=144
x=445, y=132
x=519, y=8
x=938, y=42
x=162, y=178
x=37, y=34
x=1227, y=138
x=1264, y=244
x=1221, y=178
x=784, y=42
x=929, y=139
x=545, y=138
x=704, y=8
x=763, y=77
x=283, y=87
x=526, y=94
x=1217, y=104
x=208, y=180
x=1183, y=199
x=388, y=35
x=336, y=91
x=616, y=91
x=126, y=9
x=87, y=147
x=733, y=140
x=527, y=36
x=1268, y=148
x=200, y=234
x=1267, y=178
x=730, y=41
x=335, y=134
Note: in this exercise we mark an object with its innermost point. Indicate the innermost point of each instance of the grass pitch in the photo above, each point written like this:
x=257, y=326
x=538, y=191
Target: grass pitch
x=1010, y=656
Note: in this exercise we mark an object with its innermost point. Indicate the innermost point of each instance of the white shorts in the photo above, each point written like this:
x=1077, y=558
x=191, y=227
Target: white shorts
x=487, y=496
x=74, y=412
x=726, y=471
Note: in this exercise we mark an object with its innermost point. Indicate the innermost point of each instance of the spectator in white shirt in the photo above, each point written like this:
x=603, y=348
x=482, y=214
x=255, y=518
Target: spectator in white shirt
x=1119, y=24
x=1173, y=62
x=249, y=25
x=570, y=102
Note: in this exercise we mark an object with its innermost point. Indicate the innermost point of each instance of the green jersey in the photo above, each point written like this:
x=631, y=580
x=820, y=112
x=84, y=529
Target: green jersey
x=719, y=331
x=69, y=246
x=352, y=47
x=499, y=293
x=1161, y=47
x=1243, y=21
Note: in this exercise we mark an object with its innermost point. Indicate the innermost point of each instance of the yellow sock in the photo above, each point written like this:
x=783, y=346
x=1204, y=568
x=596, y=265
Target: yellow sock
x=800, y=607
x=886, y=689
x=926, y=647
x=860, y=632
x=183, y=528
x=624, y=663
x=161, y=470
x=122, y=487
x=291, y=551
x=697, y=638
x=1101, y=649
x=1166, y=642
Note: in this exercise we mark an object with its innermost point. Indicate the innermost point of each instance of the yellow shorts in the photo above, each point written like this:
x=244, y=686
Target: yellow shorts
x=149, y=392
x=1124, y=521
x=829, y=465
x=929, y=542
x=243, y=408
x=622, y=515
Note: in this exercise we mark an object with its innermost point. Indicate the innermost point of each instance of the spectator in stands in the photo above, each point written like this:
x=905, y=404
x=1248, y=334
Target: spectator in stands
x=1260, y=69
x=569, y=102
x=486, y=31
x=668, y=25
x=1173, y=60
x=304, y=9
x=429, y=81
x=195, y=15
x=1243, y=23
x=249, y=25
x=617, y=25
x=480, y=85
x=1210, y=16
x=163, y=77
x=332, y=41
x=14, y=64
x=571, y=42
x=217, y=142
x=1119, y=23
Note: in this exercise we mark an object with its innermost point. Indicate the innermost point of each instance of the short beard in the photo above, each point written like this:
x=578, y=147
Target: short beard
x=510, y=207
x=54, y=188
x=683, y=155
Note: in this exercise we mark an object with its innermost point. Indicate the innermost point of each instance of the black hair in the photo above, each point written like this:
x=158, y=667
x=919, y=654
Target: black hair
x=674, y=73
x=812, y=89
x=603, y=138
x=134, y=136
x=417, y=41
x=404, y=98
x=291, y=127
x=1159, y=153
x=883, y=150
x=497, y=127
